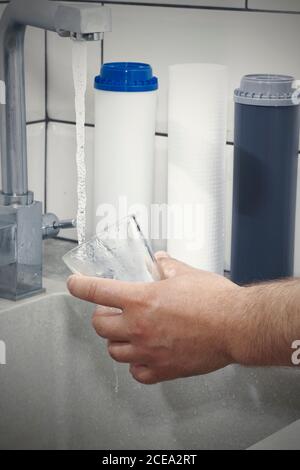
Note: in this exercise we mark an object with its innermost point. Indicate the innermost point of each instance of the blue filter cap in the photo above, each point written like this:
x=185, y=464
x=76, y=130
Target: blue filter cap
x=126, y=76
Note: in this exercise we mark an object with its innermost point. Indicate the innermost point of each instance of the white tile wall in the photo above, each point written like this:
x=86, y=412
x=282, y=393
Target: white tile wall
x=287, y=5
x=186, y=35
x=62, y=174
x=34, y=72
x=164, y=36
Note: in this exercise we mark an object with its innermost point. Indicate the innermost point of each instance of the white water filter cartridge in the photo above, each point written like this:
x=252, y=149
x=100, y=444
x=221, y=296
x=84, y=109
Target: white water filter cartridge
x=125, y=114
x=196, y=151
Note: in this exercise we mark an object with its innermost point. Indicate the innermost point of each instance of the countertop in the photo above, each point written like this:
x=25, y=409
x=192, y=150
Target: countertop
x=286, y=439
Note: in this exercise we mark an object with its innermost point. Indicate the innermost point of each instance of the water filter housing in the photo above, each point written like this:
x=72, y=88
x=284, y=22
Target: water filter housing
x=197, y=123
x=125, y=114
x=266, y=142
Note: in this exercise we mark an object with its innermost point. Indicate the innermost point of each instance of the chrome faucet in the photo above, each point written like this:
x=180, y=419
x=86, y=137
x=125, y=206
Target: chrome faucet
x=22, y=224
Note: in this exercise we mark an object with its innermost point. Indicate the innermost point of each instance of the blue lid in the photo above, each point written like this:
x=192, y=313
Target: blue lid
x=126, y=76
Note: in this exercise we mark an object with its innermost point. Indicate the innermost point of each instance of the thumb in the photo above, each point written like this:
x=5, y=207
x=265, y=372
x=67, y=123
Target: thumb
x=171, y=267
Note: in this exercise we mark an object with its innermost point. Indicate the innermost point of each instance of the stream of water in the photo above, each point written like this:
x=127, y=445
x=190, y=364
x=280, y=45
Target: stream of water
x=79, y=56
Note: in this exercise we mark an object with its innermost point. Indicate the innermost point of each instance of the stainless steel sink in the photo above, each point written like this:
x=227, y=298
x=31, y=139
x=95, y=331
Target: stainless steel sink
x=60, y=390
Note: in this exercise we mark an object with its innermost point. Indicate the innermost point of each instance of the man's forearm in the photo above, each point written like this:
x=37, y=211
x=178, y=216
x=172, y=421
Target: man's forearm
x=265, y=323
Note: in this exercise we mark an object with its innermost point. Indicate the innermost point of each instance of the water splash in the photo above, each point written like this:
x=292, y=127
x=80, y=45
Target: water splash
x=79, y=57
x=115, y=367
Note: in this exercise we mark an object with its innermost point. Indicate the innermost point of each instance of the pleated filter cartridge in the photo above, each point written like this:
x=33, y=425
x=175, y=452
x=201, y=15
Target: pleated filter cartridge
x=198, y=97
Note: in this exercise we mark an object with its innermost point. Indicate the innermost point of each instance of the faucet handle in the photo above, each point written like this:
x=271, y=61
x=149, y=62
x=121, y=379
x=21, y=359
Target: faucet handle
x=52, y=225
x=66, y=223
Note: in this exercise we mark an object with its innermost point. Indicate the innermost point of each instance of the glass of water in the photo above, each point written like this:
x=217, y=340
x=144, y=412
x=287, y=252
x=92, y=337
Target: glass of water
x=120, y=252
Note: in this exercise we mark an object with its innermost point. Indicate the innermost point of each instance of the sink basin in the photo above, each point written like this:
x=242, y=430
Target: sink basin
x=61, y=390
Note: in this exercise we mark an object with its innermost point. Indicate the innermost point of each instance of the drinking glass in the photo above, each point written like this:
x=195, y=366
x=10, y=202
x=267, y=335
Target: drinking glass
x=120, y=252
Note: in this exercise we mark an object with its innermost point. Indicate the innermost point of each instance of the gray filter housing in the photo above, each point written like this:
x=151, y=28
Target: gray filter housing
x=266, y=140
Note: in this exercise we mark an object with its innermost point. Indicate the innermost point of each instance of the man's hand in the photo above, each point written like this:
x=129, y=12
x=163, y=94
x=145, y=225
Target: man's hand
x=177, y=327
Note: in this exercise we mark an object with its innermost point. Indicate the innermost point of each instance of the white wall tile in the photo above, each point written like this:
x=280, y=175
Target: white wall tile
x=34, y=72
x=182, y=35
x=62, y=174
x=60, y=78
x=217, y=3
x=286, y=5
x=36, y=160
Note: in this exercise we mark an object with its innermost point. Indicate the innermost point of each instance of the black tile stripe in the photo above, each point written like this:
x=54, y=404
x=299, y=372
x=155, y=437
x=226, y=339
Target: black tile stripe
x=69, y=123
x=36, y=121
x=161, y=134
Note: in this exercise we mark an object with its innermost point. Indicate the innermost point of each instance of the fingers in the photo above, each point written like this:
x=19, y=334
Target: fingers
x=171, y=267
x=143, y=374
x=107, y=311
x=103, y=291
x=111, y=326
x=125, y=352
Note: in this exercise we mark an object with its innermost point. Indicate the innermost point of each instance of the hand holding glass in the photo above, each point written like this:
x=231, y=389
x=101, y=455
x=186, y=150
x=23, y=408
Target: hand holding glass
x=119, y=252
